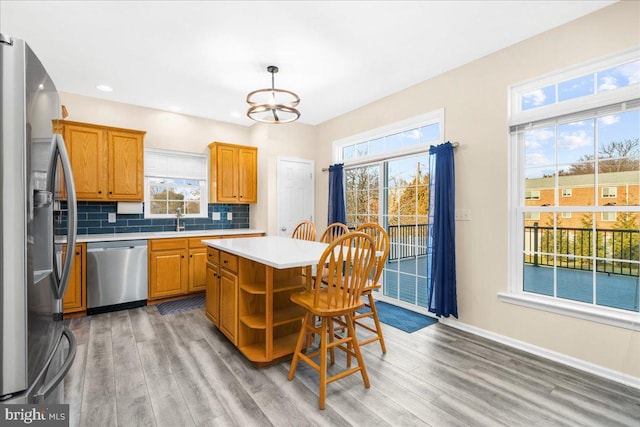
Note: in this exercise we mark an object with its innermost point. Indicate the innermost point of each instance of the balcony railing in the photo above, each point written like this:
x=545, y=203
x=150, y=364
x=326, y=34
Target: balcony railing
x=573, y=248
x=408, y=241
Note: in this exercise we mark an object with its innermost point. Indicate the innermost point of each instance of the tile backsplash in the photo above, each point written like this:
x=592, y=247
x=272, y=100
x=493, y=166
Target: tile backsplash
x=93, y=219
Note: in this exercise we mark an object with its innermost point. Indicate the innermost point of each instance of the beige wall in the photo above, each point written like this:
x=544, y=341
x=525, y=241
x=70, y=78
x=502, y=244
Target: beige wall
x=475, y=100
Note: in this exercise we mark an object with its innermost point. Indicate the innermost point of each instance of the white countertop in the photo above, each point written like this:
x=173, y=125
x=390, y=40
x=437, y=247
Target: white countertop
x=112, y=237
x=275, y=251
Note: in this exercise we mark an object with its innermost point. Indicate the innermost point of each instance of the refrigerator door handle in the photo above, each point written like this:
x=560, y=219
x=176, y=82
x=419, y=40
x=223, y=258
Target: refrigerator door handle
x=59, y=150
x=46, y=389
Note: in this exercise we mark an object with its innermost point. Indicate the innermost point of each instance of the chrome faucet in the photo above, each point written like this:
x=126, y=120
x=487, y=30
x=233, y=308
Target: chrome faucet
x=178, y=216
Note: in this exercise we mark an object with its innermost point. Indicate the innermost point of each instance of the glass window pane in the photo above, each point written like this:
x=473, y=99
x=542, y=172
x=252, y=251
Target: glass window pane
x=538, y=98
x=577, y=183
x=407, y=288
x=573, y=284
x=576, y=142
x=393, y=201
x=538, y=278
x=373, y=175
x=393, y=142
x=618, y=290
x=430, y=133
x=362, y=149
x=620, y=76
x=376, y=146
x=348, y=152
x=539, y=187
x=423, y=200
x=410, y=137
x=540, y=147
x=391, y=283
x=408, y=201
x=575, y=88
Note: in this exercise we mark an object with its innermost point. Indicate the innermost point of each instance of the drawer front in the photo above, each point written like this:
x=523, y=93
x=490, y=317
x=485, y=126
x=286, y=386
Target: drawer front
x=213, y=256
x=166, y=244
x=196, y=242
x=228, y=261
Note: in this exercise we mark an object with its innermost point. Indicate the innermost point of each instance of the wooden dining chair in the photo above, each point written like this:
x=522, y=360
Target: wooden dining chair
x=382, y=245
x=333, y=231
x=348, y=261
x=305, y=230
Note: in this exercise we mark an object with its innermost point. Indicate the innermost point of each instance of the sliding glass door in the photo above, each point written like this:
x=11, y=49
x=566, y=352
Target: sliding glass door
x=395, y=194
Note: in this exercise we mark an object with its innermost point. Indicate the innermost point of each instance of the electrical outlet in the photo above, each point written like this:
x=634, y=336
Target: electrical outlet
x=463, y=215
x=112, y=217
x=215, y=216
x=229, y=216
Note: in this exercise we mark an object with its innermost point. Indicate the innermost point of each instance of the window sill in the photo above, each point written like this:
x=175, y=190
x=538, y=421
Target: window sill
x=630, y=320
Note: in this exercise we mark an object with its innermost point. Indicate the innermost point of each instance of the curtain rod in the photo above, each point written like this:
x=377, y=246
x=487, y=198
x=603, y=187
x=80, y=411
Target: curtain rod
x=454, y=144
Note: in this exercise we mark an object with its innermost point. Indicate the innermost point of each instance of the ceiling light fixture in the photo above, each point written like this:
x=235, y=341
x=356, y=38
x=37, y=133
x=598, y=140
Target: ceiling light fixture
x=273, y=105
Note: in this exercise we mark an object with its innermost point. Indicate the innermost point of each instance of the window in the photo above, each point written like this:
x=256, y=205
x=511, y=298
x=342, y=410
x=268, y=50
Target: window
x=575, y=142
x=387, y=182
x=609, y=192
x=175, y=180
x=608, y=216
x=532, y=195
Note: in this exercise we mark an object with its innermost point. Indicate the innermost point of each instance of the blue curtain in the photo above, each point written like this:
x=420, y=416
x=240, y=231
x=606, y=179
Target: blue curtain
x=337, y=209
x=442, y=232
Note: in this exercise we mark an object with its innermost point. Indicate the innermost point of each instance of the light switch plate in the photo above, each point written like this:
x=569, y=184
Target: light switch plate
x=229, y=216
x=463, y=215
x=215, y=216
x=112, y=217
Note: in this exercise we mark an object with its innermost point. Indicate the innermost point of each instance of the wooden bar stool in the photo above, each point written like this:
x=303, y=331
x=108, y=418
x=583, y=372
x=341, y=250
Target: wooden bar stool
x=348, y=262
x=382, y=244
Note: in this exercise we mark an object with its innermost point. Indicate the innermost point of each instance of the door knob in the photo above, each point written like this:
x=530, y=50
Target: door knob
x=284, y=228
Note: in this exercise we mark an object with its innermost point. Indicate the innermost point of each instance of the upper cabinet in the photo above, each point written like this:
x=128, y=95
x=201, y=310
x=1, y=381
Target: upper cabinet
x=234, y=173
x=107, y=163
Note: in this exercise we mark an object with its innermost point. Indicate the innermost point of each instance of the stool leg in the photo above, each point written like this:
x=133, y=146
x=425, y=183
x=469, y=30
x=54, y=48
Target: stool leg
x=332, y=351
x=356, y=348
x=298, y=350
x=323, y=362
x=377, y=322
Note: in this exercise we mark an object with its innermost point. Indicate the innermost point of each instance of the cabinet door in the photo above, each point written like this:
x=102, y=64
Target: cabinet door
x=168, y=273
x=212, y=295
x=197, y=269
x=125, y=166
x=227, y=173
x=75, y=299
x=248, y=175
x=229, y=304
x=88, y=154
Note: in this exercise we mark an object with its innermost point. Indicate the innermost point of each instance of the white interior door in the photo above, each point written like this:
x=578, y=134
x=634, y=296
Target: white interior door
x=295, y=193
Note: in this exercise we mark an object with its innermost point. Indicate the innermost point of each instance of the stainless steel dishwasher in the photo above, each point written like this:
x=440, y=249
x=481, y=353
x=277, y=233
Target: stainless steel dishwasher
x=116, y=275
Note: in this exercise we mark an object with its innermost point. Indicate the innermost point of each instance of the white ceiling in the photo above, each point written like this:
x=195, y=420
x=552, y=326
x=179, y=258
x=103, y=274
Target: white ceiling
x=205, y=56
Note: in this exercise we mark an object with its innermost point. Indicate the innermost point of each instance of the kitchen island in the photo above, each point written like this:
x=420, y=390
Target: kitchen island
x=249, y=283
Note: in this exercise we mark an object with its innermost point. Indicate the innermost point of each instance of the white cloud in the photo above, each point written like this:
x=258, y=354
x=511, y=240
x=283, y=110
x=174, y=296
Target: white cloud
x=608, y=83
x=537, y=159
x=631, y=72
x=536, y=97
x=575, y=140
x=609, y=120
x=414, y=134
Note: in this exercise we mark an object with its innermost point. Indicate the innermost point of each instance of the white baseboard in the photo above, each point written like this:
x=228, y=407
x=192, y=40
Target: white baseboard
x=573, y=362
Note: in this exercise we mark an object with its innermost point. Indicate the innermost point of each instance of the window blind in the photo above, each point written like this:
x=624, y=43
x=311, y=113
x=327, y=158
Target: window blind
x=175, y=164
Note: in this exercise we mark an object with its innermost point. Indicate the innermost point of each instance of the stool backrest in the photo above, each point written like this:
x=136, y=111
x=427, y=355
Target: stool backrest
x=305, y=230
x=382, y=244
x=347, y=263
x=333, y=231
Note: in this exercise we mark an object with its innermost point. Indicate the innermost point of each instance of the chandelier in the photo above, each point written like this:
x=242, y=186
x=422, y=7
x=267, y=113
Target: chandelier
x=273, y=105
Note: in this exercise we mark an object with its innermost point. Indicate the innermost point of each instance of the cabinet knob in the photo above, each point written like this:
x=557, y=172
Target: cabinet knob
x=99, y=192
x=241, y=196
x=77, y=253
x=110, y=192
x=182, y=256
x=225, y=261
x=190, y=256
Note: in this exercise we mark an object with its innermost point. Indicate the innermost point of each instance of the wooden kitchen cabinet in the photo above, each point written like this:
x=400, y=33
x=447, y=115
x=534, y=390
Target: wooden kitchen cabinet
x=212, y=294
x=222, y=292
x=197, y=265
x=75, y=299
x=107, y=162
x=168, y=267
x=233, y=173
x=229, y=305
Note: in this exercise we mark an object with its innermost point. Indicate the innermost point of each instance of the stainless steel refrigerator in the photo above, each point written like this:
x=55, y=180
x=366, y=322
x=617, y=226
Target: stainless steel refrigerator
x=36, y=349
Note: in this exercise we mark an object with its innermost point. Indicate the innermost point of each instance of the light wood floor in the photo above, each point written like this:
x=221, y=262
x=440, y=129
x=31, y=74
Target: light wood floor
x=138, y=368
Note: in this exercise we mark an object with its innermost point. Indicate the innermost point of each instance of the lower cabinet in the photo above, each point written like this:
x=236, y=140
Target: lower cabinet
x=229, y=305
x=75, y=299
x=212, y=294
x=168, y=267
x=197, y=265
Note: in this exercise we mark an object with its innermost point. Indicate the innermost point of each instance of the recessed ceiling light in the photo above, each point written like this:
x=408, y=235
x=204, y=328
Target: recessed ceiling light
x=41, y=86
x=174, y=108
x=104, y=88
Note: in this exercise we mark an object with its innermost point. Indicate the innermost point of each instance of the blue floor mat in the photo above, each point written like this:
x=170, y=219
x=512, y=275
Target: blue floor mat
x=173, y=307
x=401, y=318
